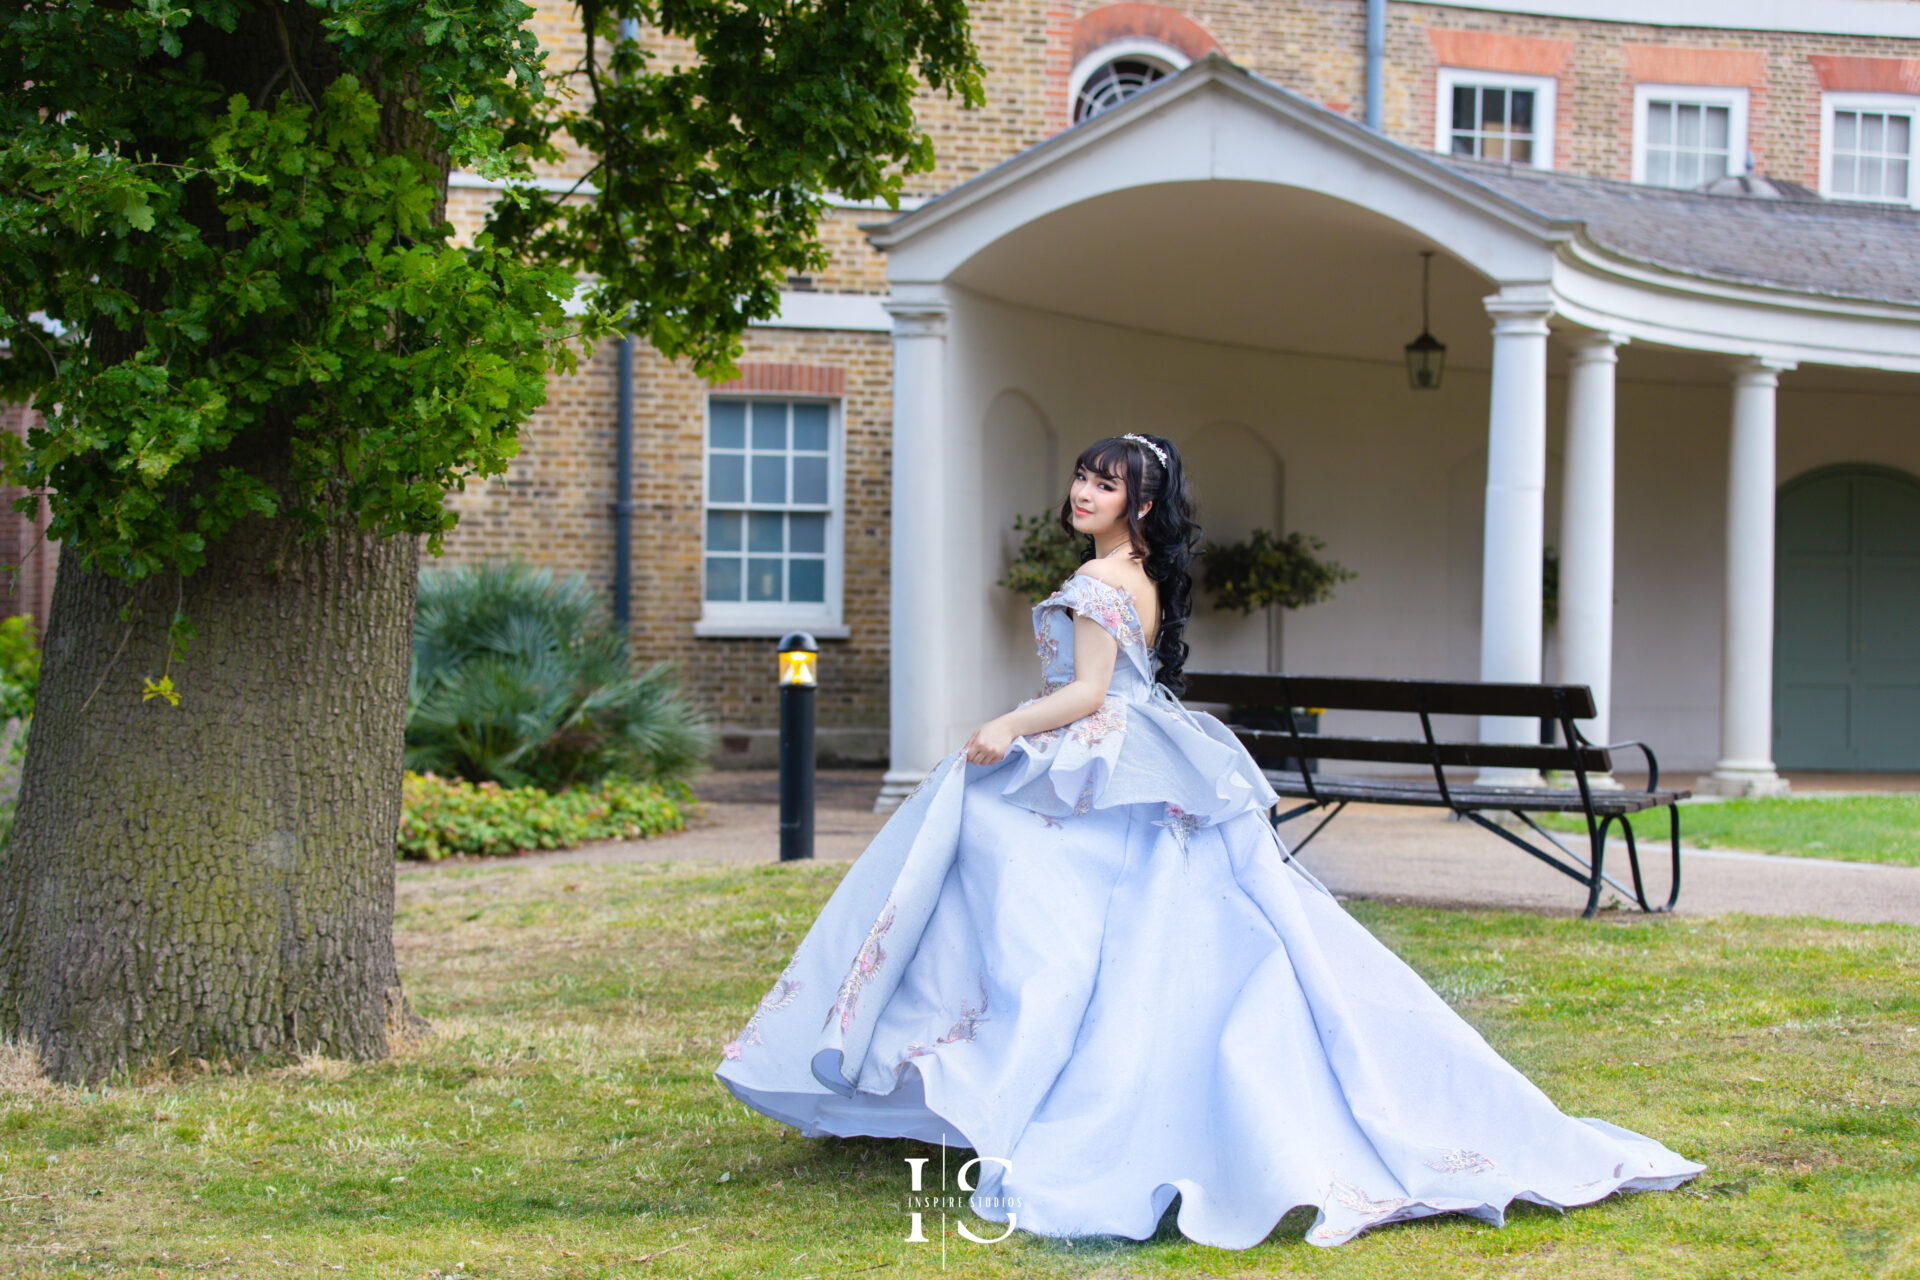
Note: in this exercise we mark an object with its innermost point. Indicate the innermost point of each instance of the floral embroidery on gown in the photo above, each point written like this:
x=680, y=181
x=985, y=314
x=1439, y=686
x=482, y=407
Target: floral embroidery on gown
x=1095, y=960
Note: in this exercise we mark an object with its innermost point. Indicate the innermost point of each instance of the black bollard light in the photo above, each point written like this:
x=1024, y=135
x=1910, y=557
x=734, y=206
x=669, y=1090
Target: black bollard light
x=799, y=673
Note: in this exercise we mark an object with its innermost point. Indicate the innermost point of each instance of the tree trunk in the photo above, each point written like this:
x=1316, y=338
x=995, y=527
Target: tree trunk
x=214, y=879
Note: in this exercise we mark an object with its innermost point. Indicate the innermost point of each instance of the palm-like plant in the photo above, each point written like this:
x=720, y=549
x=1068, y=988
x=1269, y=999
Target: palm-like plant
x=520, y=679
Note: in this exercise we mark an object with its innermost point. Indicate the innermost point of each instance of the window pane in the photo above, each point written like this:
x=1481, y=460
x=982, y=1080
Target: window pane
x=765, y=530
x=726, y=477
x=807, y=581
x=1463, y=144
x=1660, y=168
x=1899, y=135
x=723, y=531
x=776, y=456
x=1872, y=132
x=769, y=475
x=723, y=578
x=1523, y=111
x=1463, y=117
x=1520, y=151
x=809, y=479
x=1896, y=179
x=1719, y=128
x=810, y=427
x=1659, y=124
x=727, y=427
x=1686, y=125
x=1868, y=182
x=770, y=424
x=1493, y=109
x=1686, y=169
x=763, y=580
x=1845, y=129
x=807, y=533
x=1845, y=181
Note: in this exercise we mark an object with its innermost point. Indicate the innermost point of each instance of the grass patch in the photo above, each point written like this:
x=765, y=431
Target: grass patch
x=564, y=1121
x=1854, y=828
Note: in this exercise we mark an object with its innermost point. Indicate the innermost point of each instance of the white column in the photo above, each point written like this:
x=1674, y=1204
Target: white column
x=1586, y=527
x=1516, y=510
x=917, y=531
x=1745, y=766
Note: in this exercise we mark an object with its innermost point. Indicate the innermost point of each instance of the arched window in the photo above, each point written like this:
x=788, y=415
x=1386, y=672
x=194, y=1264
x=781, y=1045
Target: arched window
x=1113, y=73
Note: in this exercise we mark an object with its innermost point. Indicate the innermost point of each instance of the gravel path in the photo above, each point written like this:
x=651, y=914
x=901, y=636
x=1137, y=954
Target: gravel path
x=1370, y=851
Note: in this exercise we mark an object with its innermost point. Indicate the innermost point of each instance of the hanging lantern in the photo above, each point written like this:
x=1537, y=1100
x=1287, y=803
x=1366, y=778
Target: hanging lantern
x=1426, y=355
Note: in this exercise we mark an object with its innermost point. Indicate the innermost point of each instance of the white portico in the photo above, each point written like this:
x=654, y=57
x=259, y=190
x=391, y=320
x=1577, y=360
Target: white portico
x=1225, y=263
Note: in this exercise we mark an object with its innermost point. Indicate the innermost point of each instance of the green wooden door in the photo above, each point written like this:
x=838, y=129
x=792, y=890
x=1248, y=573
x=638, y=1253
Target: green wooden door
x=1846, y=657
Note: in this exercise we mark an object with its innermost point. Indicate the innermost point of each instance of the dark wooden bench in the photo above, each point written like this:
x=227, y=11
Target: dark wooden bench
x=1567, y=752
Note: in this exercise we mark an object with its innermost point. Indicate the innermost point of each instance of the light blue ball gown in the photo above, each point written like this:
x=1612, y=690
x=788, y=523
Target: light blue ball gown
x=1094, y=960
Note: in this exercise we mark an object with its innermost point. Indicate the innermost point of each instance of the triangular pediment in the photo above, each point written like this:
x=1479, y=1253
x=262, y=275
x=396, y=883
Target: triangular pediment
x=1215, y=121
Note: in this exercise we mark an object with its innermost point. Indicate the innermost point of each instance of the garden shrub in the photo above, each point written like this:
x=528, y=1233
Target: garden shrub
x=19, y=667
x=445, y=816
x=525, y=680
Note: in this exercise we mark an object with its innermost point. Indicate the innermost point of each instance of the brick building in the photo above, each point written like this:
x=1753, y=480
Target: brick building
x=1208, y=221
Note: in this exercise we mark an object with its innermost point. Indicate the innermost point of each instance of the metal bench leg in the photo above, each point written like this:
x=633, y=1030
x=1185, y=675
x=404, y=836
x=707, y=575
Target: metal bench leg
x=1586, y=871
x=1633, y=860
x=1673, y=835
x=1331, y=815
x=1599, y=843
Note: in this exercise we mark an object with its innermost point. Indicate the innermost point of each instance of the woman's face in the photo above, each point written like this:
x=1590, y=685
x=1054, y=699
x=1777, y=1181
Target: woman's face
x=1099, y=502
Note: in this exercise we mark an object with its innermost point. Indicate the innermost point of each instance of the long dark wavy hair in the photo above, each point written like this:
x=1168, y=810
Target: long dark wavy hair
x=1165, y=538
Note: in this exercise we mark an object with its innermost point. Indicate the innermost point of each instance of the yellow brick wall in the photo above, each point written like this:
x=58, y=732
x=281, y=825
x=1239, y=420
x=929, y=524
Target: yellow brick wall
x=553, y=507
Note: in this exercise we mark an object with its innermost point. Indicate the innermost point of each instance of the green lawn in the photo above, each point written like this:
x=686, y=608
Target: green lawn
x=564, y=1121
x=1883, y=828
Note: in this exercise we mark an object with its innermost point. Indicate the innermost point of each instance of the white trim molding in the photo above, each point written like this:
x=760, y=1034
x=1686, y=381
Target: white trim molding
x=762, y=619
x=846, y=312
x=468, y=180
x=1545, y=91
x=1885, y=103
x=1828, y=17
x=1732, y=97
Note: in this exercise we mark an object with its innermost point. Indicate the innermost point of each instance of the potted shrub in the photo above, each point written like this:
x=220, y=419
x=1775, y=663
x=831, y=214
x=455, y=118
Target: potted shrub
x=1265, y=571
x=1047, y=557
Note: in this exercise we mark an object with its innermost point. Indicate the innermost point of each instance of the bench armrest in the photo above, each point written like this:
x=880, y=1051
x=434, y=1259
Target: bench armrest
x=1653, y=765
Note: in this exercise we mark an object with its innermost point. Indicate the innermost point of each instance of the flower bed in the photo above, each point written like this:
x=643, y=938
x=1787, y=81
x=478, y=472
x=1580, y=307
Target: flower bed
x=441, y=817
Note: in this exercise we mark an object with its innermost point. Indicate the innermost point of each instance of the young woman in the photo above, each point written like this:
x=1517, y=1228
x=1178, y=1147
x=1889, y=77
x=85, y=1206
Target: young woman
x=1079, y=949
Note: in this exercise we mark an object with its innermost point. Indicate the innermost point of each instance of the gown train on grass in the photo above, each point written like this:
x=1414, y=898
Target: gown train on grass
x=1095, y=960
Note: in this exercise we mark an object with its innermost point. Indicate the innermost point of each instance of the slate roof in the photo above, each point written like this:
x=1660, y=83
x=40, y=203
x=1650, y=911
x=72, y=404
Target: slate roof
x=1831, y=247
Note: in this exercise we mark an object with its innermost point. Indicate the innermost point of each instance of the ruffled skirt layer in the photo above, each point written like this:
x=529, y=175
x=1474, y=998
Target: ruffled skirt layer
x=1137, y=1002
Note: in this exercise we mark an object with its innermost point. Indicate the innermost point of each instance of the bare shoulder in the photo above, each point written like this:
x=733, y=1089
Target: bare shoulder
x=1130, y=578
x=1106, y=571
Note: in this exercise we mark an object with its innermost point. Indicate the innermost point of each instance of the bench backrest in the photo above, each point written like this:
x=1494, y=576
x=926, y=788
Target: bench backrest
x=1359, y=693
x=1563, y=703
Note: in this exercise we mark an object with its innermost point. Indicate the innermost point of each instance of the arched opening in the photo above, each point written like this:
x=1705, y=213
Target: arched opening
x=1112, y=74
x=1846, y=658
x=1238, y=484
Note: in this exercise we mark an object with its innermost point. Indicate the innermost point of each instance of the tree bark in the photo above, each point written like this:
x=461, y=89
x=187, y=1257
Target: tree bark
x=214, y=879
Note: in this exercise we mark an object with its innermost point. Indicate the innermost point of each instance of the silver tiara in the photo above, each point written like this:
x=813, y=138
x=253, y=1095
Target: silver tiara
x=1158, y=452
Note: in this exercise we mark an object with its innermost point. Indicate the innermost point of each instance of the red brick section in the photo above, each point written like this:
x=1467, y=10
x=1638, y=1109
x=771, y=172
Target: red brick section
x=1113, y=22
x=1517, y=55
x=1673, y=64
x=1059, y=65
x=1683, y=65
x=1488, y=51
x=795, y=379
x=1866, y=75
